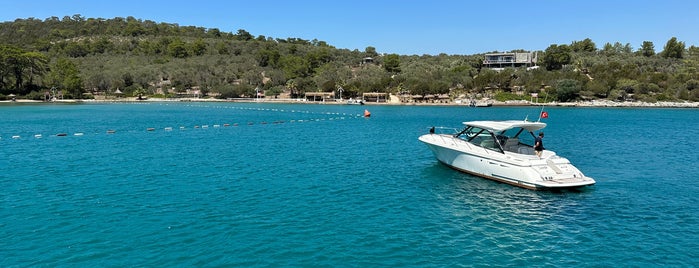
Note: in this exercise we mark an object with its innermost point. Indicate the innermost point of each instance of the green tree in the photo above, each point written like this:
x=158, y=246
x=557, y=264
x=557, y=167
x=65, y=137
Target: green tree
x=556, y=56
x=134, y=28
x=567, y=89
x=583, y=46
x=178, y=49
x=292, y=87
x=331, y=75
x=75, y=50
x=222, y=48
x=268, y=57
x=66, y=76
x=673, y=49
x=370, y=52
x=10, y=66
x=32, y=64
x=598, y=87
x=244, y=35
x=629, y=86
x=199, y=47
x=647, y=49
x=18, y=66
x=391, y=63
x=608, y=49
x=293, y=66
x=318, y=57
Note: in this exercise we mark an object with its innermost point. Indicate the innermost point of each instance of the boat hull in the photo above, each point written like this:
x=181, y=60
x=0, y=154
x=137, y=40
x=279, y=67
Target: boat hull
x=515, y=169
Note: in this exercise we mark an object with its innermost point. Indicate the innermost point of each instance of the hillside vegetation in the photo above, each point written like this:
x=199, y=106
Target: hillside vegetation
x=86, y=57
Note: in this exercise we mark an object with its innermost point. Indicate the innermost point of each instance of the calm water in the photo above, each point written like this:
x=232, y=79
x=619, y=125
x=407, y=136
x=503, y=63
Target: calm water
x=318, y=185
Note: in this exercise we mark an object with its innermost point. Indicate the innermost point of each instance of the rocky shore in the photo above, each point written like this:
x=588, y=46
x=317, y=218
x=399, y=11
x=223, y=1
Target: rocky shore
x=608, y=103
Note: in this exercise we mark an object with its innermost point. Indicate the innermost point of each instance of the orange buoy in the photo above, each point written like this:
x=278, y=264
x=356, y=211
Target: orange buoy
x=367, y=113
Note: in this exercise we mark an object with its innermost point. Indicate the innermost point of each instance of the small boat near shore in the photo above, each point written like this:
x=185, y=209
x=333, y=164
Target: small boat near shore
x=355, y=102
x=503, y=151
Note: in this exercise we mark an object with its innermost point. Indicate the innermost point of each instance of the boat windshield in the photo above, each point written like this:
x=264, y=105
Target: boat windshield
x=479, y=137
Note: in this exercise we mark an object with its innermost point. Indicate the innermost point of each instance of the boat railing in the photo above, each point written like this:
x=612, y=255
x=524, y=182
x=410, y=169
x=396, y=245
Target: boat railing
x=444, y=130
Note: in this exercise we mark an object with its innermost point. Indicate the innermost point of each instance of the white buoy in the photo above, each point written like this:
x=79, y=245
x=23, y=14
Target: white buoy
x=15, y=137
x=78, y=134
x=37, y=136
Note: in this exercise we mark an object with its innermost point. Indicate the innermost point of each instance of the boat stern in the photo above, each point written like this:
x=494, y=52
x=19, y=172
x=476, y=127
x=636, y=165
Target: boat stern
x=558, y=172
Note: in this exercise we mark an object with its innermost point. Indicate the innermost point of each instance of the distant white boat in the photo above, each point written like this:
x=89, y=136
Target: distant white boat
x=355, y=102
x=481, y=103
x=503, y=151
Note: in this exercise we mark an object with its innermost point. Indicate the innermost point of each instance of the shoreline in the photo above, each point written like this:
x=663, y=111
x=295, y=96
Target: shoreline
x=594, y=103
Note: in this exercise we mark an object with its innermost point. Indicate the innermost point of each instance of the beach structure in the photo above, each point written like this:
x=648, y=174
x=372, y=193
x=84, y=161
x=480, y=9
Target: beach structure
x=374, y=97
x=319, y=96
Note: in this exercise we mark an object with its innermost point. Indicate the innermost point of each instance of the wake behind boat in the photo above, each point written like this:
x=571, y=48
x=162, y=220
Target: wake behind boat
x=503, y=151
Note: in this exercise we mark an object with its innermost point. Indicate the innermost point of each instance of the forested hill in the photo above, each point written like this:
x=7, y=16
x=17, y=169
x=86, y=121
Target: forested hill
x=84, y=57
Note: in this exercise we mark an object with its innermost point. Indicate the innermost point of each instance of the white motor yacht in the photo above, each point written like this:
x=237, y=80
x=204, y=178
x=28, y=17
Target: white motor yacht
x=503, y=151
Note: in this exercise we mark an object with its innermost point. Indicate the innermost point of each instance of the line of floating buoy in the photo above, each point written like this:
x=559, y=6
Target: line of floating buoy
x=150, y=129
x=262, y=109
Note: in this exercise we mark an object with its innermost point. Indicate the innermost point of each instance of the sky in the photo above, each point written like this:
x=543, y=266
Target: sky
x=407, y=27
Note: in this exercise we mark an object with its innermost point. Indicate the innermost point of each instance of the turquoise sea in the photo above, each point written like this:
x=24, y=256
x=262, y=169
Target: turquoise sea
x=309, y=185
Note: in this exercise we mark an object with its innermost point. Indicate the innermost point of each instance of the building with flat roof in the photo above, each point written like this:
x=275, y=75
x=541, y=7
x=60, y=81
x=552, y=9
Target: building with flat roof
x=319, y=96
x=501, y=61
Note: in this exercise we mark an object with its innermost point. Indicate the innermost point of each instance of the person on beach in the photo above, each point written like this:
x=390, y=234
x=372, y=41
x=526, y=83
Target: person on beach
x=539, y=144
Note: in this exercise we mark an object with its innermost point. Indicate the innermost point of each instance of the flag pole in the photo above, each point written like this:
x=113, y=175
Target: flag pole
x=542, y=107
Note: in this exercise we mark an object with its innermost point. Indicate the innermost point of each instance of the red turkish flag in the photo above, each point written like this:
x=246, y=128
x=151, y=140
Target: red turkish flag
x=544, y=115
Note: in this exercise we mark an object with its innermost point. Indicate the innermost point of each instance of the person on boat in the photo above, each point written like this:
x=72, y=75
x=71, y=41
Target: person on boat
x=539, y=144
